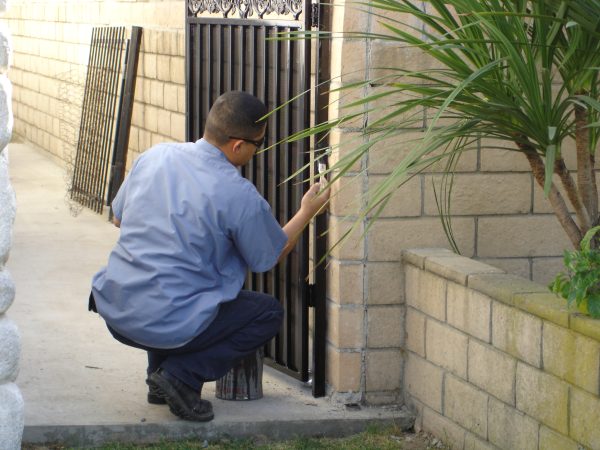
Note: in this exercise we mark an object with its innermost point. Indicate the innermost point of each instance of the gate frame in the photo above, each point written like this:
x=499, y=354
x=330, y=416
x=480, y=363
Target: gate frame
x=312, y=295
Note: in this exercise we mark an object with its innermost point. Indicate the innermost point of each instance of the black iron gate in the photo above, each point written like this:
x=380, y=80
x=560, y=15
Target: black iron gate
x=227, y=53
x=106, y=115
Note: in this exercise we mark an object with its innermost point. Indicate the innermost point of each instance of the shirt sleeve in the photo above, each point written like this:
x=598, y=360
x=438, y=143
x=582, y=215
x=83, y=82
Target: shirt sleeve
x=260, y=239
x=118, y=202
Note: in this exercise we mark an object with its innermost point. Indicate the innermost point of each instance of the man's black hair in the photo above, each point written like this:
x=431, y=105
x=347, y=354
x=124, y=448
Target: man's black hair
x=235, y=113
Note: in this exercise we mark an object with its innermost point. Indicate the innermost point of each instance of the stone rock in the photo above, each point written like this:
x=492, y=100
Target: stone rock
x=7, y=209
x=12, y=418
x=5, y=48
x=10, y=350
x=6, y=115
x=7, y=291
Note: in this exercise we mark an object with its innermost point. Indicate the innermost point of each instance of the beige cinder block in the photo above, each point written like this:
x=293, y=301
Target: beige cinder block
x=509, y=428
x=551, y=440
x=520, y=236
x=383, y=370
x=471, y=194
x=492, y=371
x=543, y=397
x=572, y=357
x=584, y=410
x=426, y=292
x=385, y=283
x=446, y=347
x=386, y=242
x=466, y=405
x=472, y=442
x=415, y=331
x=469, y=311
x=345, y=326
x=517, y=333
x=404, y=201
x=344, y=369
x=385, y=326
x=352, y=247
x=449, y=432
x=423, y=381
x=345, y=282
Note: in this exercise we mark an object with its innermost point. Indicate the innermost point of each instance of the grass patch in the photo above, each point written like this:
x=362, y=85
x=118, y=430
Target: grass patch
x=374, y=438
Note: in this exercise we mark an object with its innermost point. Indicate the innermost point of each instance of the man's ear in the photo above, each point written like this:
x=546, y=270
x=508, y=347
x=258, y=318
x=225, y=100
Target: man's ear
x=237, y=147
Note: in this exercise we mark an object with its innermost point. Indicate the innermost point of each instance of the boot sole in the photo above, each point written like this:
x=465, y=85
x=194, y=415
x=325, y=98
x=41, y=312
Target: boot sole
x=154, y=399
x=176, y=404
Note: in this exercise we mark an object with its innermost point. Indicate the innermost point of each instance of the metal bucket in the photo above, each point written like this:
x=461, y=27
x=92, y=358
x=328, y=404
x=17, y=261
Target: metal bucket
x=244, y=380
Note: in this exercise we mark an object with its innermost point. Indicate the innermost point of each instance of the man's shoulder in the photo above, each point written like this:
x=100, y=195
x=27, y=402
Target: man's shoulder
x=167, y=147
x=238, y=193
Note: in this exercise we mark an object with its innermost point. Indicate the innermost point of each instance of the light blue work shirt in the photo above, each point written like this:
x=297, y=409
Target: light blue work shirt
x=191, y=226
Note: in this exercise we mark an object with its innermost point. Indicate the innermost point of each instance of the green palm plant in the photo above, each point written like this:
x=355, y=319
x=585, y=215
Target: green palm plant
x=524, y=72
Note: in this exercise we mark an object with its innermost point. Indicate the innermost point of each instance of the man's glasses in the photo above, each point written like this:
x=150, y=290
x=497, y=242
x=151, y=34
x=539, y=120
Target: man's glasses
x=257, y=144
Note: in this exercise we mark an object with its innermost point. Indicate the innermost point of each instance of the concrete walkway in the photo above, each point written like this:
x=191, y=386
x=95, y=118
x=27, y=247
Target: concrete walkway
x=83, y=388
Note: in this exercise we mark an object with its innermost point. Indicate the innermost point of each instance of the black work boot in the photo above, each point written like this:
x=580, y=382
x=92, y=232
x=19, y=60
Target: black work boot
x=155, y=397
x=183, y=401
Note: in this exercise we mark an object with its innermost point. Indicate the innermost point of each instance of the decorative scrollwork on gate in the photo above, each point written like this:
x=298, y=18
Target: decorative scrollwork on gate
x=246, y=8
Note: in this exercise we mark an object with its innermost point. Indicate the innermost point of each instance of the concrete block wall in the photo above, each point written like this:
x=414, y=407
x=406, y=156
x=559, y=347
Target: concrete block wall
x=500, y=215
x=496, y=361
x=51, y=41
x=11, y=401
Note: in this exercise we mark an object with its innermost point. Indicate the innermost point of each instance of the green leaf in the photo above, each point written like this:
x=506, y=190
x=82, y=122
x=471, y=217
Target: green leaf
x=549, y=167
x=587, y=239
x=593, y=306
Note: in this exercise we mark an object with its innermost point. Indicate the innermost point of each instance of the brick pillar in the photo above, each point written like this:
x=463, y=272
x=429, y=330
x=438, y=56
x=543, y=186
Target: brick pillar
x=11, y=402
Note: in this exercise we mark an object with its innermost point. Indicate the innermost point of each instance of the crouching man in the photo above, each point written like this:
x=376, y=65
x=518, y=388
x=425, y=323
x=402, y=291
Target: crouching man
x=191, y=227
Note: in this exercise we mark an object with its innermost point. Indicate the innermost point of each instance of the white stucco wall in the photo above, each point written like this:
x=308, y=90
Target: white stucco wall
x=11, y=401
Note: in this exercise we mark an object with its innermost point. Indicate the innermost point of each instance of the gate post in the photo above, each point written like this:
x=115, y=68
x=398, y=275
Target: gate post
x=11, y=402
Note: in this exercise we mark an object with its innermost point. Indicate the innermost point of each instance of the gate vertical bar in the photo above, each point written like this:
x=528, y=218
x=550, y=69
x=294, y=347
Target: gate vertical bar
x=322, y=69
x=124, y=114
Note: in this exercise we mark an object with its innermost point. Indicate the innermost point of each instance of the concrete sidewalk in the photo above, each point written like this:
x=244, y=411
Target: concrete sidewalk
x=83, y=388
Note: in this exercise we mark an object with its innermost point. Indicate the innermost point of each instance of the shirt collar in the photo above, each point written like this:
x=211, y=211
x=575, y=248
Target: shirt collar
x=211, y=150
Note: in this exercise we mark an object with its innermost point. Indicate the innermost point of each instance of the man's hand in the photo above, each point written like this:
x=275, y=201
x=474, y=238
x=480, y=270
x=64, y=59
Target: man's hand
x=315, y=200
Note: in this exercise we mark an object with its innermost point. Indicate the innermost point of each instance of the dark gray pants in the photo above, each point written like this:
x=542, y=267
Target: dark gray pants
x=241, y=327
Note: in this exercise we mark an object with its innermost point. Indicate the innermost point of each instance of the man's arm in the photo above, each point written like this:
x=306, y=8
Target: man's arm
x=313, y=202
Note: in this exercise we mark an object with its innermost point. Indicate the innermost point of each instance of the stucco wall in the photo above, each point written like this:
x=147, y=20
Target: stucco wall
x=11, y=401
x=495, y=360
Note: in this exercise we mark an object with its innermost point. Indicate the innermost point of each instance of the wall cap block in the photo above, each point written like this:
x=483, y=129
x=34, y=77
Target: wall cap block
x=585, y=325
x=547, y=306
x=457, y=268
x=503, y=286
x=417, y=256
